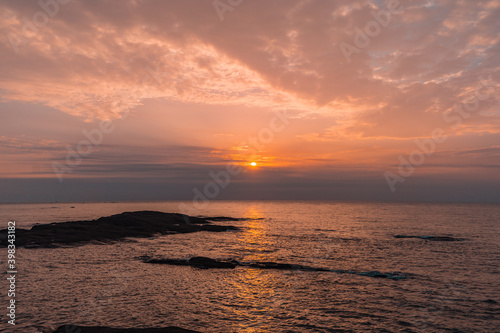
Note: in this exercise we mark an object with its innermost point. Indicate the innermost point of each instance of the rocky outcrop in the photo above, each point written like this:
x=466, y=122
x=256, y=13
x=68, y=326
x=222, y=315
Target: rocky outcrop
x=204, y=262
x=433, y=238
x=198, y=262
x=110, y=228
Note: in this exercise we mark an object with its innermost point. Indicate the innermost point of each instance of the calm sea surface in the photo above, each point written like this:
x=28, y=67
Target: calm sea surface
x=452, y=286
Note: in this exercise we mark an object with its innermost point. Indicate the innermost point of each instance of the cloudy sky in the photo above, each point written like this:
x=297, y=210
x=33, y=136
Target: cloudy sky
x=354, y=100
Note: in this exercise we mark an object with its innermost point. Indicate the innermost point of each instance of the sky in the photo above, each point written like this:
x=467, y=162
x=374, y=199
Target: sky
x=173, y=100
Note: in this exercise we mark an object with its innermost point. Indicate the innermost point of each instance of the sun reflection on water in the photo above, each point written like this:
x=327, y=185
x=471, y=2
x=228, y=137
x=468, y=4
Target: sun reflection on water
x=254, y=240
x=256, y=289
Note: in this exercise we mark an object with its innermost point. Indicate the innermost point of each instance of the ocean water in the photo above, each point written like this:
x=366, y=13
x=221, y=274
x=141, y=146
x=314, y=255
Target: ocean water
x=451, y=286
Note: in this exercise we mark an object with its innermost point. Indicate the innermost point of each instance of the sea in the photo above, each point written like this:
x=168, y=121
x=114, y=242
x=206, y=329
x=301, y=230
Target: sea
x=449, y=286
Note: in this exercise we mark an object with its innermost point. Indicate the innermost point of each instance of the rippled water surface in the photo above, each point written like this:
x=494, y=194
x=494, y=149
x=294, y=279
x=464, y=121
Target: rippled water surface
x=452, y=286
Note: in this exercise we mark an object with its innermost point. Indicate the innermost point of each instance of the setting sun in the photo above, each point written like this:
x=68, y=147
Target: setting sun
x=253, y=164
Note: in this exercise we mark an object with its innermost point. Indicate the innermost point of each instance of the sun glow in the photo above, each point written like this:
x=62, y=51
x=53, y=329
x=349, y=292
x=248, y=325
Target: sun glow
x=253, y=164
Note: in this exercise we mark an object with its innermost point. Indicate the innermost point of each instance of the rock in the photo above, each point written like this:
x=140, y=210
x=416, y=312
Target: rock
x=491, y=301
x=142, y=224
x=283, y=266
x=198, y=262
x=178, y=262
x=103, y=329
x=204, y=262
x=433, y=238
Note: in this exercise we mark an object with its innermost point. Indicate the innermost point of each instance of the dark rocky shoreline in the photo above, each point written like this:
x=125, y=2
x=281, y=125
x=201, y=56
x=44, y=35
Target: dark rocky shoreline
x=141, y=224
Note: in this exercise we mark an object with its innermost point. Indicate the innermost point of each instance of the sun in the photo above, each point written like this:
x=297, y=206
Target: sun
x=253, y=164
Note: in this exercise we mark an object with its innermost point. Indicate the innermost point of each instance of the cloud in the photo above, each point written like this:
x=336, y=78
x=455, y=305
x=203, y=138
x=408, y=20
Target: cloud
x=28, y=145
x=94, y=59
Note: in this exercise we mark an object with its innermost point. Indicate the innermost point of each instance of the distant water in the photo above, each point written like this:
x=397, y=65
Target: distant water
x=454, y=286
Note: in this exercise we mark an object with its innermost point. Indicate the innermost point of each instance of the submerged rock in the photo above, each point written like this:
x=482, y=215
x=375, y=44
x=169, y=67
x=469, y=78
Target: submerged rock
x=143, y=224
x=433, y=238
x=284, y=266
x=204, y=262
x=103, y=329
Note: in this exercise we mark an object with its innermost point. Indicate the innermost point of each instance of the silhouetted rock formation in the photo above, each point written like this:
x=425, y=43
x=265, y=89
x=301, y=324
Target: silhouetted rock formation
x=433, y=238
x=110, y=228
x=102, y=329
x=198, y=262
x=204, y=262
x=283, y=266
